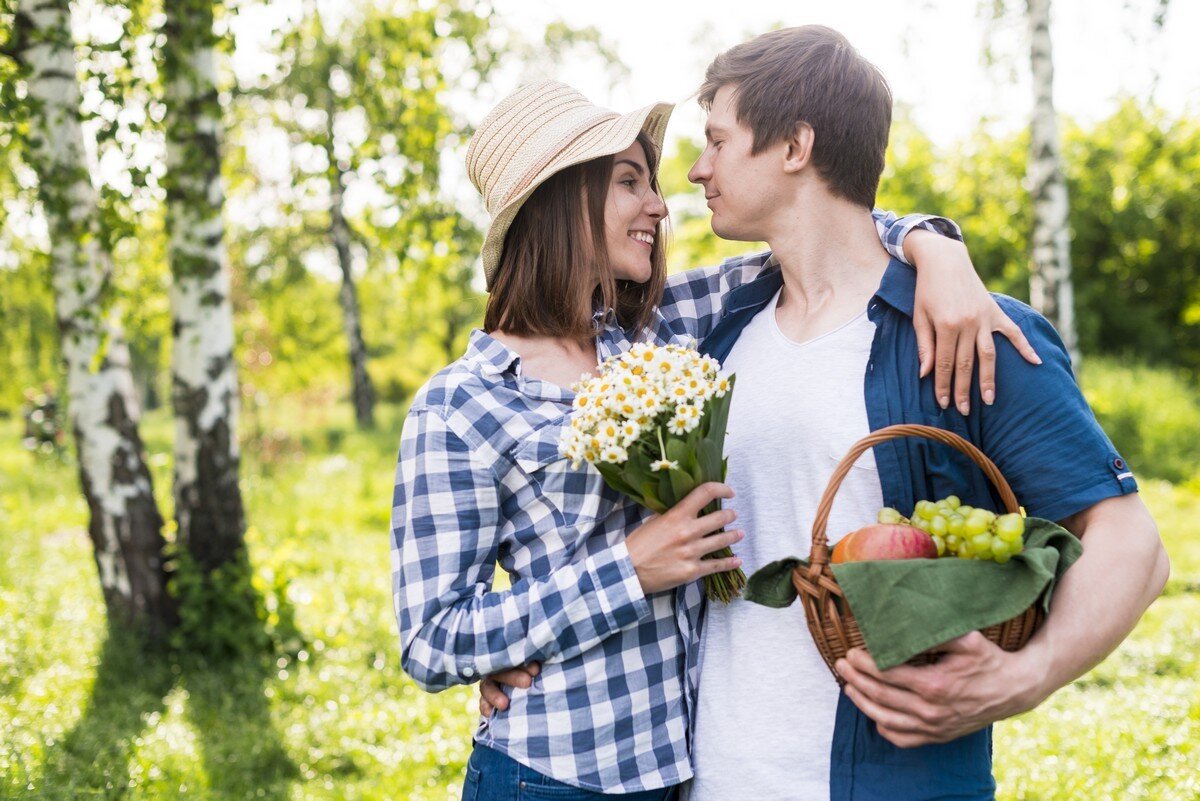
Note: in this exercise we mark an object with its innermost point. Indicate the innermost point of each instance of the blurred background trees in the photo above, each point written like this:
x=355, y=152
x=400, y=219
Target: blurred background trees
x=339, y=247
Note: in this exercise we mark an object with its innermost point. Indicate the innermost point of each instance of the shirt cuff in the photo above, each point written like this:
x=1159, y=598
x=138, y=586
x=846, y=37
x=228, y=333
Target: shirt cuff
x=618, y=591
x=894, y=239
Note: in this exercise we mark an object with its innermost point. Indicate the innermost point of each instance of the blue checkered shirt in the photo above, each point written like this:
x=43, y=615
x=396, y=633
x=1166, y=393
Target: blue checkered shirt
x=480, y=482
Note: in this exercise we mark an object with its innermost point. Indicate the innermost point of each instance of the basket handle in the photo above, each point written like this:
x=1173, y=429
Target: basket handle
x=820, y=543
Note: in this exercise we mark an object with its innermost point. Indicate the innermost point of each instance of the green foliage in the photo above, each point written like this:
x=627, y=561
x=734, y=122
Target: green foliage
x=1135, y=250
x=1151, y=414
x=233, y=612
x=85, y=715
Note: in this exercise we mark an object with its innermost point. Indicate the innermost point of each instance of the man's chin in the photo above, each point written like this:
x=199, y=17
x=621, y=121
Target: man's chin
x=730, y=232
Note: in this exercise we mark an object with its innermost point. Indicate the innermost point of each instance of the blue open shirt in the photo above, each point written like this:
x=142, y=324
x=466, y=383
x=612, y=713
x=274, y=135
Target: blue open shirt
x=1042, y=436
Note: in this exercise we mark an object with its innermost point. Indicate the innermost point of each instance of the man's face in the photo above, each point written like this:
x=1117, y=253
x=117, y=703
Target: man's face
x=741, y=188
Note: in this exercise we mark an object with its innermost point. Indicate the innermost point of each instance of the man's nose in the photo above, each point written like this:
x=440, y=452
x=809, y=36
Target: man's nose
x=698, y=172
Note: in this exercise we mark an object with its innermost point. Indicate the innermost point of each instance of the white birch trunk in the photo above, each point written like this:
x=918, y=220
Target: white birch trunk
x=361, y=391
x=125, y=524
x=1050, y=287
x=208, y=503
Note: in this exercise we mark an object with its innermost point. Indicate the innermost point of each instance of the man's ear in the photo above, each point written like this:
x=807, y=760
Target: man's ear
x=798, y=151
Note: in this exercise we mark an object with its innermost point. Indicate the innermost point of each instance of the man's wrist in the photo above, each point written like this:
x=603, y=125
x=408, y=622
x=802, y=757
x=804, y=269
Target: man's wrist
x=1031, y=674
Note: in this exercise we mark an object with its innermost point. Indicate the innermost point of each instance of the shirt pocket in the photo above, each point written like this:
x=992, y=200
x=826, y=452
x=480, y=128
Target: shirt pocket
x=840, y=445
x=574, y=493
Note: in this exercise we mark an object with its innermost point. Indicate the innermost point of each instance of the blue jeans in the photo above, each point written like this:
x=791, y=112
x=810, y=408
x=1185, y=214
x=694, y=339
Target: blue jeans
x=493, y=776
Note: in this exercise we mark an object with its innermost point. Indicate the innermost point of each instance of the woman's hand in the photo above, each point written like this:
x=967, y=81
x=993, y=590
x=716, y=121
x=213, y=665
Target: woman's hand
x=669, y=549
x=955, y=317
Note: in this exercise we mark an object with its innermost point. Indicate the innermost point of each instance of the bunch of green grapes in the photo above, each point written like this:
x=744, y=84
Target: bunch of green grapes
x=964, y=531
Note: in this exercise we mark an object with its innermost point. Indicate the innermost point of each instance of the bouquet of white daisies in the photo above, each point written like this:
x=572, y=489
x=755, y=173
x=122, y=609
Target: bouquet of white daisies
x=652, y=421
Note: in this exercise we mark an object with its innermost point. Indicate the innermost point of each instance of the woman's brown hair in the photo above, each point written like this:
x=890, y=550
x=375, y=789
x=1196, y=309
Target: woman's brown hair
x=555, y=255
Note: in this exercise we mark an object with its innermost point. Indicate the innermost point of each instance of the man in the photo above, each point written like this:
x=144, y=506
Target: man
x=820, y=335
x=798, y=167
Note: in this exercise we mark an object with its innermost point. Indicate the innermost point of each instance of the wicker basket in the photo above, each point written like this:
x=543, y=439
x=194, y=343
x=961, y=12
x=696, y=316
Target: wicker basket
x=829, y=617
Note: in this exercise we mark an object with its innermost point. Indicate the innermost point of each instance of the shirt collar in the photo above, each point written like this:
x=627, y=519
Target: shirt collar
x=898, y=288
x=758, y=291
x=490, y=355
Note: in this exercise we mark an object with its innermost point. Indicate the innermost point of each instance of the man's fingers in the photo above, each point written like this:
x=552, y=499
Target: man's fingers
x=885, y=718
x=968, y=643
x=861, y=661
x=964, y=368
x=896, y=699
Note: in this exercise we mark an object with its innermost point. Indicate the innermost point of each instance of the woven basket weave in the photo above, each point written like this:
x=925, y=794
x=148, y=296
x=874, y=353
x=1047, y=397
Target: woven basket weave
x=829, y=617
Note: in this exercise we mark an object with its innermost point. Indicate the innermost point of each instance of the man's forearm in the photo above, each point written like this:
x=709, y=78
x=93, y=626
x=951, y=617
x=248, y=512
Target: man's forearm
x=1100, y=599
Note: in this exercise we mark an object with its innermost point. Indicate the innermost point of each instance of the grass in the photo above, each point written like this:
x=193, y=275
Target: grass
x=83, y=716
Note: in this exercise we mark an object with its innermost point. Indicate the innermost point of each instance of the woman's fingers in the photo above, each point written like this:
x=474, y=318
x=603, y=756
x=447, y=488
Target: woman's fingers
x=946, y=348
x=716, y=542
x=701, y=496
x=986, y=350
x=491, y=697
x=925, y=341
x=964, y=368
x=1011, y=331
x=714, y=521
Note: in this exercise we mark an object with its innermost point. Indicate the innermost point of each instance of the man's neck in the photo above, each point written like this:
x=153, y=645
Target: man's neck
x=832, y=263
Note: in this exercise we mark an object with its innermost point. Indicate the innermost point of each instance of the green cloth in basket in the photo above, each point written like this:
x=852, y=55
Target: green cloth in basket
x=907, y=606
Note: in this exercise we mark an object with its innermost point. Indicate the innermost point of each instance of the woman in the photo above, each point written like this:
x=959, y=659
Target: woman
x=574, y=267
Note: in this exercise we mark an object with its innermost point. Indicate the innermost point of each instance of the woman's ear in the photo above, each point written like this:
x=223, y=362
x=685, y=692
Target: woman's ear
x=798, y=151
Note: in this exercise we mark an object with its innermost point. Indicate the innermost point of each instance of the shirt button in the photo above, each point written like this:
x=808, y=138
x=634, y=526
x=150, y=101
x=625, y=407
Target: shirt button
x=1119, y=463
x=468, y=672
x=522, y=785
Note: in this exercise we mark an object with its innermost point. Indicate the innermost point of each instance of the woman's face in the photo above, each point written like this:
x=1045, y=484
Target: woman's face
x=632, y=213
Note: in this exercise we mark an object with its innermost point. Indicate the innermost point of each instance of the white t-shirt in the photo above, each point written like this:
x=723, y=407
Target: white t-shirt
x=764, y=721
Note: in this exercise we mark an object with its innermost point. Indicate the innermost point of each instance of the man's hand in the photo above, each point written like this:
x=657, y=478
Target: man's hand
x=491, y=688
x=975, y=683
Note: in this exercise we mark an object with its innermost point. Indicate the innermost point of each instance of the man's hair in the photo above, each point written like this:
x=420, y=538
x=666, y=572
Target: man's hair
x=554, y=254
x=811, y=74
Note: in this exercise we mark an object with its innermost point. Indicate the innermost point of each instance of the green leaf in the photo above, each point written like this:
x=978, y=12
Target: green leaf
x=681, y=483
x=652, y=498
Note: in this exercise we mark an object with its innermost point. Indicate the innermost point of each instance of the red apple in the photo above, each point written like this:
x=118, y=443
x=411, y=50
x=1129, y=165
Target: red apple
x=884, y=541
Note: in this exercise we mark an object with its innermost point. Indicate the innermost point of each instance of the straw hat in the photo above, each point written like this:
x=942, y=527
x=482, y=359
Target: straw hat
x=537, y=131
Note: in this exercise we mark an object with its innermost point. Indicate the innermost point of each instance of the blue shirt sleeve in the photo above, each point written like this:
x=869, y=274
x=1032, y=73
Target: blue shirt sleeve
x=1042, y=434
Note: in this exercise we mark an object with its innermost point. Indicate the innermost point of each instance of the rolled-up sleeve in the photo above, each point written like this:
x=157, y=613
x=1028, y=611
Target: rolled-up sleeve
x=447, y=522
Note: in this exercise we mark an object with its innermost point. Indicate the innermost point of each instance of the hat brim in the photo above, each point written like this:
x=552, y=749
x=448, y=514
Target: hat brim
x=604, y=139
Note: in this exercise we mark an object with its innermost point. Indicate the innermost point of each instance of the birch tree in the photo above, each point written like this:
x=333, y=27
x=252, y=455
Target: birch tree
x=125, y=525
x=1050, y=288
x=208, y=501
